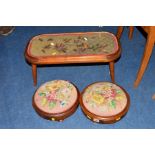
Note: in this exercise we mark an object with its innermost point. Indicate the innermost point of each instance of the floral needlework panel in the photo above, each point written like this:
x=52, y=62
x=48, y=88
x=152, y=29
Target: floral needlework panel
x=74, y=44
x=104, y=99
x=56, y=96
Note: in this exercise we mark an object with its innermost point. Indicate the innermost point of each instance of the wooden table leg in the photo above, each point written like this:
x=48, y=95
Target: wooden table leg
x=146, y=56
x=119, y=32
x=34, y=74
x=131, y=28
x=112, y=71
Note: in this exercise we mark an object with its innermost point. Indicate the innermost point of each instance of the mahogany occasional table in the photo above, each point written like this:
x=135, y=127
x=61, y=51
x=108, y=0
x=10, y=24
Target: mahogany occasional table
x=68, y=48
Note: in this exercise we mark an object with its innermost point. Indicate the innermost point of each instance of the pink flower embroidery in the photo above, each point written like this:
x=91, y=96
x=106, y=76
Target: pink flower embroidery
x=113, y=93
x=51, y=96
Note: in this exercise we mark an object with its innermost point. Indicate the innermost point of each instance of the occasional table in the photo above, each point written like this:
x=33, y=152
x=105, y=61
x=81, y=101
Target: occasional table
x=68, y=48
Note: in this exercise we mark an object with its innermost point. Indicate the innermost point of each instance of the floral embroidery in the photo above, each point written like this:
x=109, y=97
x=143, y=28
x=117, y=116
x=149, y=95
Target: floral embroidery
x=55, y=93
x=104, y=98
x=94, y=43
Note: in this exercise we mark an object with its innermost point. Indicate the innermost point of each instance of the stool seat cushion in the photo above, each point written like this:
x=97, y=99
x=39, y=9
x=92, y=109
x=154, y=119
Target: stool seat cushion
x=55, y=97
x=88, y=43
x=104, y=99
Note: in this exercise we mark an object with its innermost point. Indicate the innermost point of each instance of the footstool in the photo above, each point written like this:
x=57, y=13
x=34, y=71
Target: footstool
x=104, y=102
x=68, y=48
x=56, y=100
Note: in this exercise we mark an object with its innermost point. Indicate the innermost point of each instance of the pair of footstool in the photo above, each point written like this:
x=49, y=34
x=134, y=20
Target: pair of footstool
x=101, y=102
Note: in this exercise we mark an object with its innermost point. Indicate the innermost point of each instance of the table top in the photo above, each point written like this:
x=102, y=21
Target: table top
x=66, y=44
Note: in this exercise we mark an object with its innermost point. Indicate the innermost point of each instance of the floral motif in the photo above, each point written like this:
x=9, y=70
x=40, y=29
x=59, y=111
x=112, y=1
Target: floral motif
x=93, y=43
x=104, y=97
x=55, y=93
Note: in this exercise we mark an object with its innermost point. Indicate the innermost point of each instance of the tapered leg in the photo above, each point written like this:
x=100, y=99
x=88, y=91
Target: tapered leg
x=34, y=74
x=146, y=56
x=119, y=32
x=131, y=28
x=111, y=67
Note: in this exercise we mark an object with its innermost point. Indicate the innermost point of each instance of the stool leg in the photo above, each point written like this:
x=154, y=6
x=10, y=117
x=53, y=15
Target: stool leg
x=111, y=67
x=34, y=74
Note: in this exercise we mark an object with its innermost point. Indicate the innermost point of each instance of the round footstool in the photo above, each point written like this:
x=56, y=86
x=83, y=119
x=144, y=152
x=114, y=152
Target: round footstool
x=104, y=102
x=56, y=100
